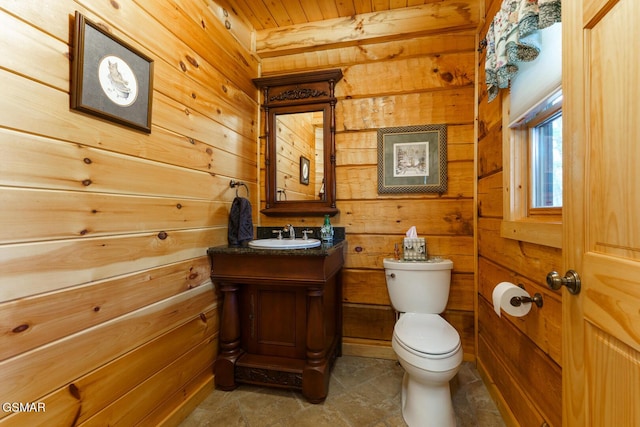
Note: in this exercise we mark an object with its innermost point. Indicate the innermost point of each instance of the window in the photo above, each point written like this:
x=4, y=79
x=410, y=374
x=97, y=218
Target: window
x=533, y=175
x=532, y=147
x=545, y=160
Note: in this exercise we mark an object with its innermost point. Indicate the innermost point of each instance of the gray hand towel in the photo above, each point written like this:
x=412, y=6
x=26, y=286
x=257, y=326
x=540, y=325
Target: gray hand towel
x=240, y=222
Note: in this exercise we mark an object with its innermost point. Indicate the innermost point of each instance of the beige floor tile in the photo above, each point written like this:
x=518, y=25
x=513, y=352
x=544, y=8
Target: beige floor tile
x=363, y=392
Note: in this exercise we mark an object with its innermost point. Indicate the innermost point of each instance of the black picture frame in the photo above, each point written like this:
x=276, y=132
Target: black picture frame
x=412, y=159
x=109, y=78
x=305, y=170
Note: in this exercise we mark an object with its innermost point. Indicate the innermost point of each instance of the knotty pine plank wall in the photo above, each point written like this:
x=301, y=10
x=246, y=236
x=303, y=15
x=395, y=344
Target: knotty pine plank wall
x=519, y=357
x=107, y=312
x=417, y=81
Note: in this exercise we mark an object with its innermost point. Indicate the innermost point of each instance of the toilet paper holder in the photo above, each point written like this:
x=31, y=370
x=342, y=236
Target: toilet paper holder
x=518, y=301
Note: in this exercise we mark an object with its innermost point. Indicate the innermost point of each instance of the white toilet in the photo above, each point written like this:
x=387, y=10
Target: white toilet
x=427, y=347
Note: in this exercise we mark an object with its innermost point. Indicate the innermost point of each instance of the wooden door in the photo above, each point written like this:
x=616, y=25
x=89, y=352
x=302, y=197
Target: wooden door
x=601, y=325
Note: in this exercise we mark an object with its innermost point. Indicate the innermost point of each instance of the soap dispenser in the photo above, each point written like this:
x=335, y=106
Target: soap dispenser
x=326, y=231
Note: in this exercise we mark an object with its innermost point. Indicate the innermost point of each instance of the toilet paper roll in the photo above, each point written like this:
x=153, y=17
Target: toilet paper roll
x=502, y=294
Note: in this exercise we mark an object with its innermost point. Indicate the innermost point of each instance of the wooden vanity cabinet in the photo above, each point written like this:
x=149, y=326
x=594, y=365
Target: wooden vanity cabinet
x=281, y=319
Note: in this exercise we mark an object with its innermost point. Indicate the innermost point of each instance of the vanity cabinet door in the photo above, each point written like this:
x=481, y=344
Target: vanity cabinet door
x=273, y=320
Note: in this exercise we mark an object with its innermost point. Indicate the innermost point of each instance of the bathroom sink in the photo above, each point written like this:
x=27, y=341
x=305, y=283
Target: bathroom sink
x=284, y=243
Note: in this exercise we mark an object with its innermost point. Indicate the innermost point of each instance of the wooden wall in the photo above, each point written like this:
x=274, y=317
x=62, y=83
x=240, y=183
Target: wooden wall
x=107, y=312
x=520, y=357
x=424, y=79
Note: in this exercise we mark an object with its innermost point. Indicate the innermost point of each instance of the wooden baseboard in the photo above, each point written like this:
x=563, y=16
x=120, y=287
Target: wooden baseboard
x=202, y=387
x=368, y=348
x=507, y=415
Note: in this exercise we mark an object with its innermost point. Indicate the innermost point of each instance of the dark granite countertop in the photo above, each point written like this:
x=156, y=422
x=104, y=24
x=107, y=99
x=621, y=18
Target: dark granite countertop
x=324, y=249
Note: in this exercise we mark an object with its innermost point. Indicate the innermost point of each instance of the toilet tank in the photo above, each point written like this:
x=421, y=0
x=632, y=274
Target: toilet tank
x=418, y=286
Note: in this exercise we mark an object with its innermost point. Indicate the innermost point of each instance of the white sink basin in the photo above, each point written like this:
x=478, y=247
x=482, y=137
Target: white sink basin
x=284, y=243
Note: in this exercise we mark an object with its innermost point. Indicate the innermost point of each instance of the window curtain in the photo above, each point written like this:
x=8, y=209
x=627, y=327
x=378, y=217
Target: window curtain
x=513, y=37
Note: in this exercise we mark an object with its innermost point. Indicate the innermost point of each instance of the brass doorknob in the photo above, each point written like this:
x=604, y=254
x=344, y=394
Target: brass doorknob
x=571, y=280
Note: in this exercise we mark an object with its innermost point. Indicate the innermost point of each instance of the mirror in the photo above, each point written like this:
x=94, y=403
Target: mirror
x=299, y=135
x=300, y=156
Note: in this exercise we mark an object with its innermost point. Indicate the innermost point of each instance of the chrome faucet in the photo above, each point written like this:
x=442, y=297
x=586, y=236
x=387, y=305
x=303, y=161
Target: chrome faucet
x=291, y=230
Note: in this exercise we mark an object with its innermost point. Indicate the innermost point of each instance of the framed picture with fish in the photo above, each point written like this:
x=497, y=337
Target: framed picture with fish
x=109, y=78
x=412, y=159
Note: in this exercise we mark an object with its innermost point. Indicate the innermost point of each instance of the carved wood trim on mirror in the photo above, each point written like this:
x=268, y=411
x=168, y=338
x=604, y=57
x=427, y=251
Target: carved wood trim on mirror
x=299, y=111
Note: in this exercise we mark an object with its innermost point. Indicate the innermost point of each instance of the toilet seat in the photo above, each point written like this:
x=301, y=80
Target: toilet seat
x=426, y=335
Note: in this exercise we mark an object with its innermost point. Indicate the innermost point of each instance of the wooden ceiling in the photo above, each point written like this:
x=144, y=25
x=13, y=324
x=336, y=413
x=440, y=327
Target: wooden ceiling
x=271, y=28
x=267, y=14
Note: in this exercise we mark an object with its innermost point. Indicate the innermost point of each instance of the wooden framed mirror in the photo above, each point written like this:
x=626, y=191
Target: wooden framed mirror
x=300, y=153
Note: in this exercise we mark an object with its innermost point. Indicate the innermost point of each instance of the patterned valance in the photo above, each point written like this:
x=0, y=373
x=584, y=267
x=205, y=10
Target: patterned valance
x=513, y=37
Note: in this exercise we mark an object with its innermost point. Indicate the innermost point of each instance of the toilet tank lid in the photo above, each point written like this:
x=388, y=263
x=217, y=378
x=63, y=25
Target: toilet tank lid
x=427, y=333
x=430, y=264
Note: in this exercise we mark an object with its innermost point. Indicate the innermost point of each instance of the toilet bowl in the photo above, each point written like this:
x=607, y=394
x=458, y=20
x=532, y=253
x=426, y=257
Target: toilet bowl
x=429, y=350
x=427, y=347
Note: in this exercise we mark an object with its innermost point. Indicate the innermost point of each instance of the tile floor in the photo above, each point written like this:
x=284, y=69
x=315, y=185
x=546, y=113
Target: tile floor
x=362, y=392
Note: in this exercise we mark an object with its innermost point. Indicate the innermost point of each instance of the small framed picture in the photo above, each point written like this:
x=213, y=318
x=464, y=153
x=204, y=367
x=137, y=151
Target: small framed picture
x=109, y=78
x=304, y=170
x=412, y=159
